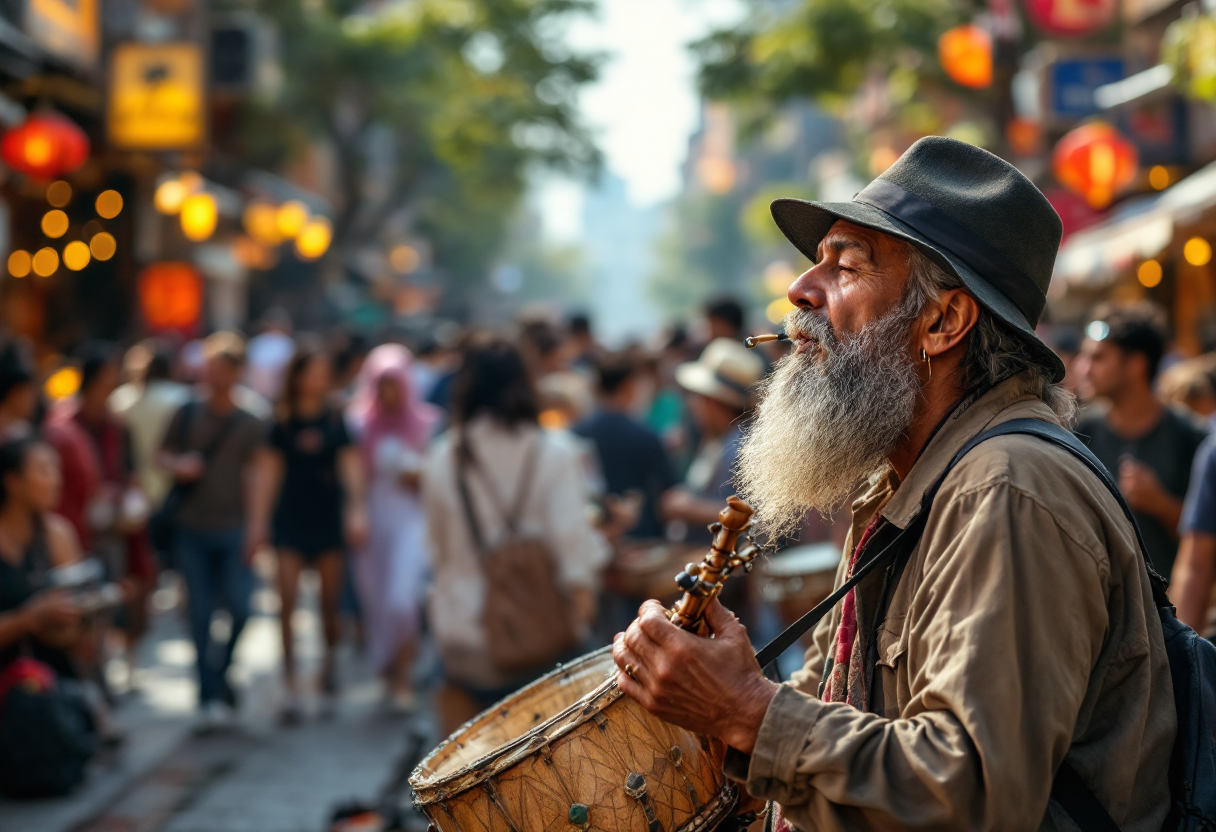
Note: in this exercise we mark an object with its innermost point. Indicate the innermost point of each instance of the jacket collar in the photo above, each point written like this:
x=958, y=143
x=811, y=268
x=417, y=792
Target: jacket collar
x=1013, y=398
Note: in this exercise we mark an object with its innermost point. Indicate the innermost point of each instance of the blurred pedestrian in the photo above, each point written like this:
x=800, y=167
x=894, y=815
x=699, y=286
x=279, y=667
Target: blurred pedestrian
x=146, y=404
x=393, y=428
x=719, y=385
x=309, y=503
x=1190, y=385
x=518, y=480
x=209, y=450
x=18, y=391
x=583, y=346
x=632, y=460
x=724, y=316
x=101, y=496
x=1147, y=446
x=268, y=354
x=1194, y=573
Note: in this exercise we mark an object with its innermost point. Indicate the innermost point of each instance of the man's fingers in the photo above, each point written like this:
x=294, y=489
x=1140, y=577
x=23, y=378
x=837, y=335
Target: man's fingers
x=635, y=691
x=652, y=619
x=720, y=619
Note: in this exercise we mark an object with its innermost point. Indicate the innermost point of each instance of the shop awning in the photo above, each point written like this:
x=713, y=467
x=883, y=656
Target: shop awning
x=1136, y=231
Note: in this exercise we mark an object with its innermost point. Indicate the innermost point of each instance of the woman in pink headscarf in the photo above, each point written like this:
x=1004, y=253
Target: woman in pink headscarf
x=393, y=428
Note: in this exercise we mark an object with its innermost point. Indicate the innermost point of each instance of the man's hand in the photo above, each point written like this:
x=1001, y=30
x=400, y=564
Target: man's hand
x=187, y=468
x=1144, y=492
x=708, y=685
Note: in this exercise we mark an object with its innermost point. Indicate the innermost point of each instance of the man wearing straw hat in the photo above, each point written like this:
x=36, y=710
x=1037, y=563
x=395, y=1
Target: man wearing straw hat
x=1017, y=638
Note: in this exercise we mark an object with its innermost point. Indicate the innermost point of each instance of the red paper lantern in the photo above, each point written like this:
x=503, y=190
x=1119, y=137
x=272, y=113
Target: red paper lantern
x=965, y=53
x=1071, y=17
x=1095, y=161
x=171, y=297
x=46, y=146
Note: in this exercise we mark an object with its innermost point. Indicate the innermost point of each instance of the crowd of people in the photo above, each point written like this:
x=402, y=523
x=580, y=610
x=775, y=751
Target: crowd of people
x=404, y=475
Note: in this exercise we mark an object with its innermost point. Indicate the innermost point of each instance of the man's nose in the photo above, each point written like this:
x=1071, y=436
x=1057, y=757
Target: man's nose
x=806, y=292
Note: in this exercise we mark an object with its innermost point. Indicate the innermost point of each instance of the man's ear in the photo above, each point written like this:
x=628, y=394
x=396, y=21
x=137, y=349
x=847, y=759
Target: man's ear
x=951, y=317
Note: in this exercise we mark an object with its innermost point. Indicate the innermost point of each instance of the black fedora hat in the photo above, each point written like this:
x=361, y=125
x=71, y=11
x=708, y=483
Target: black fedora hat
x=971, y=212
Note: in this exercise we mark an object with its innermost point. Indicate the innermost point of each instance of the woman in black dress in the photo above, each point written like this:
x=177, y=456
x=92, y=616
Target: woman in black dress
x=309, y=498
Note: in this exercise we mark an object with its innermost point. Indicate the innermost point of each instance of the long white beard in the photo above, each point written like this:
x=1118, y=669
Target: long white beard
x=824, y=426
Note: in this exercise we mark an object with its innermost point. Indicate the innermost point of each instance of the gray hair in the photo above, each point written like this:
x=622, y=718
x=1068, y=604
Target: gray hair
x=994, y=351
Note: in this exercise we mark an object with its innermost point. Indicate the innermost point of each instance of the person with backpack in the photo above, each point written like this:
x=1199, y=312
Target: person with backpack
x=513, y=553
x=996, y=653
x=209, y=449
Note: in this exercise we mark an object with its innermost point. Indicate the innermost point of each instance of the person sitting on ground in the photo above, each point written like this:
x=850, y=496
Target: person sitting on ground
x=35, y=619
x=1148, y=446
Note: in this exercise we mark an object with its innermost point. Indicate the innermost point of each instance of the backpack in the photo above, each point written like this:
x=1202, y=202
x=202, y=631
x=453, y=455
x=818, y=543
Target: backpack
x=47, y=732
x=527, y=617
x=1192, y=659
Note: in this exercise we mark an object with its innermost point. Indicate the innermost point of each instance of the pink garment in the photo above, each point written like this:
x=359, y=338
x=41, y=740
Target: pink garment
x=414, y=423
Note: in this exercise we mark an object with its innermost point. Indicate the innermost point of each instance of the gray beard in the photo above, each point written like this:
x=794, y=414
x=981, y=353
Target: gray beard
x=825, y=426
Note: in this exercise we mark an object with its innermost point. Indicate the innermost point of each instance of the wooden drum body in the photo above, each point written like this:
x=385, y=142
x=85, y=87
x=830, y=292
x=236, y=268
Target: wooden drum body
x=797, y=579
x=572, y=751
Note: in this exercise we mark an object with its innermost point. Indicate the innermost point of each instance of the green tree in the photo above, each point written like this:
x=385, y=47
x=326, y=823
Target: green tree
x=825, y=50
x=434, y=111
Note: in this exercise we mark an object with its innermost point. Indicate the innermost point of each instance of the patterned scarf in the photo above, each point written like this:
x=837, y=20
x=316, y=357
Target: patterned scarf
x=844, y=685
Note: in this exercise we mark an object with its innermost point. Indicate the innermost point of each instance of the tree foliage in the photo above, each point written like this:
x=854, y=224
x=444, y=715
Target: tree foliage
x=432, y=110
x=824, y=50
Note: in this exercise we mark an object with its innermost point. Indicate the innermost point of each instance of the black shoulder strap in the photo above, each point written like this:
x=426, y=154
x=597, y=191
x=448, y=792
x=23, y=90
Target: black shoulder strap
x=1067, y=788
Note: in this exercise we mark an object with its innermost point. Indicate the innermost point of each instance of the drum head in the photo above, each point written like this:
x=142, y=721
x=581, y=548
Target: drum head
x=804, y=560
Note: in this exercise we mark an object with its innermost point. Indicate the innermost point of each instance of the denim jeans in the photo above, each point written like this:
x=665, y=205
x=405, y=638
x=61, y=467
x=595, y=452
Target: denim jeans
x=212, y=563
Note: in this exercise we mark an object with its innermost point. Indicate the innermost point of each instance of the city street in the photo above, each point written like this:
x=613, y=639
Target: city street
x=257, y=777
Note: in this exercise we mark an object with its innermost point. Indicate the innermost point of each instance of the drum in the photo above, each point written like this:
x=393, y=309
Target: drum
x=571, y=750
x=795, y=580
x=643, y=568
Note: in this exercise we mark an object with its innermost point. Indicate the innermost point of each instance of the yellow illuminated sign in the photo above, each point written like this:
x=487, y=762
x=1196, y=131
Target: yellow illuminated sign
x=156, y=96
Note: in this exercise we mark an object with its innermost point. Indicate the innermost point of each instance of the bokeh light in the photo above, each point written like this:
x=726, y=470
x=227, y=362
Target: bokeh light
x=778, y=309
x=1149, y=274
x=103, y=245
x=108, y=204
x=169, y=196
x=62, y=383
x=291, y=217
x=1158, y=177
x=76, y=255
x=55, y=224
x=404, y=259
x=261, y=222
x=199, y=215
x=59, y=193
x=46, y=262
x=314, y=238
x=1197, y=251
x=20, y=263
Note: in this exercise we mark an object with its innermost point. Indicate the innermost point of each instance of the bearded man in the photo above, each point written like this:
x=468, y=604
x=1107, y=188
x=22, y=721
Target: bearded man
x=1021, y=632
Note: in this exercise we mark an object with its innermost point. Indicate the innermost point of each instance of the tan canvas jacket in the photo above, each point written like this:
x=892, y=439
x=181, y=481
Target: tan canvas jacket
x=1022, y=630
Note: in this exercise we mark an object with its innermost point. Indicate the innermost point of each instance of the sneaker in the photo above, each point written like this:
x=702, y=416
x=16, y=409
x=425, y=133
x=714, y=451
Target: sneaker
x=215, y=716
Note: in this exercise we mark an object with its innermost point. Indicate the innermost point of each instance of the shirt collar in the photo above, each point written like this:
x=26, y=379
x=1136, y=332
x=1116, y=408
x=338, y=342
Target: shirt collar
x=1013, y=398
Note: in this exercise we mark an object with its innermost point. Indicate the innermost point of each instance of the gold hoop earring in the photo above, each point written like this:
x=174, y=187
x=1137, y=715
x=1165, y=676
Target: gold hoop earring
x=924, y=356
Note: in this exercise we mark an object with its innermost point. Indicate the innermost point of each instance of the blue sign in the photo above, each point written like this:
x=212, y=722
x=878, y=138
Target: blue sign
x=1073, y=81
